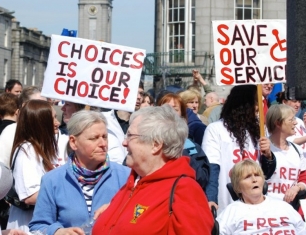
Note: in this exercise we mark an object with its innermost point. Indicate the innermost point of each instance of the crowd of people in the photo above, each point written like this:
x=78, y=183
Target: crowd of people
x=161, y=169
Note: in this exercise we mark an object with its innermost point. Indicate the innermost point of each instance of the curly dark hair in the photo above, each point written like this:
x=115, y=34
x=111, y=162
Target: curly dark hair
x=238, y=114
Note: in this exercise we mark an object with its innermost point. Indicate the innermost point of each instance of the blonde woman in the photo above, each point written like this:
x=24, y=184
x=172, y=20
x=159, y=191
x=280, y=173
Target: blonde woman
x=255, y=213
x=192, y=100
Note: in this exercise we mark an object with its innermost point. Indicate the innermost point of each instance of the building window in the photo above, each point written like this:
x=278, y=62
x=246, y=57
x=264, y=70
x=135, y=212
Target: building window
x=192, y=26
x=5, y=72
x=92, y=28
x=181, y=29
x=33, y=74
x=6, y=33
x=248, y=9
x=25, y=75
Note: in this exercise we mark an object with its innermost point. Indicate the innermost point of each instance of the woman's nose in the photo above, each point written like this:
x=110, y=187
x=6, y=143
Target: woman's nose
x=102, y=141
x=124, y=143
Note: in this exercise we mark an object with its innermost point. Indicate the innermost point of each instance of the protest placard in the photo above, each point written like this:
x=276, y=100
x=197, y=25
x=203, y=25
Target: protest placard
x=93, y=73
x=249, y=51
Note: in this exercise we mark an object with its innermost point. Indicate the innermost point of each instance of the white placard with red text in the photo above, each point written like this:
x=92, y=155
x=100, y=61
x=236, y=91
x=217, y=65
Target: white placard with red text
x=250, y=51
x=93, y=73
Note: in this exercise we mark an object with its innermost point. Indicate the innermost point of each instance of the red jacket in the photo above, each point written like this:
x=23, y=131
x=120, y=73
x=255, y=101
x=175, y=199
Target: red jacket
x=144, y=209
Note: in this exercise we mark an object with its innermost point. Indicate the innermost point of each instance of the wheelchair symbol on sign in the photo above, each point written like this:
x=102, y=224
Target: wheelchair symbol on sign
x=279, y=44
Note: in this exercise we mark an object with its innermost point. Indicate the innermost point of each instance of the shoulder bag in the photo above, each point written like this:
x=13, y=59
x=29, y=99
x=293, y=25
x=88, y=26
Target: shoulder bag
x=12, y=197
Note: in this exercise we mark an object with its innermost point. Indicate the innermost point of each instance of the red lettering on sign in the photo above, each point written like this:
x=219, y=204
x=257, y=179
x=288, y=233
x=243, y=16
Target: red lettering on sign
x=60, y=49
x=135, y=57
x=230, y=79
x=226, y=38
x=70, y=68
x=101, y=90
x=88, y=49
x=56, y=85
x=111, y=58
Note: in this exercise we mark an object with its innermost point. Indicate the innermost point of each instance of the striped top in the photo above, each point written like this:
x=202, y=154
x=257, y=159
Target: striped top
x=88, y=190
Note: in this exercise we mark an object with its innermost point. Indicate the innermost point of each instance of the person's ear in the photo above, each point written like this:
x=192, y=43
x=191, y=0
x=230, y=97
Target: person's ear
x=156, y=147
x=17, y=113
x=73, y=142
x=278, y=124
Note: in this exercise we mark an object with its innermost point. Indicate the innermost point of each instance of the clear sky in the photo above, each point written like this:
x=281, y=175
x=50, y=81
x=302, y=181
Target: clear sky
x=133, y=20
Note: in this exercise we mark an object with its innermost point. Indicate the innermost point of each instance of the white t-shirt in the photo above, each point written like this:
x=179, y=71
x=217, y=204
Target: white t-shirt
x=269, y=217
x=28, y=171
x=300, y=131
x=288, y=166
x=62, y=142
x=116, y=151
x=223, y=150
x=6, y=143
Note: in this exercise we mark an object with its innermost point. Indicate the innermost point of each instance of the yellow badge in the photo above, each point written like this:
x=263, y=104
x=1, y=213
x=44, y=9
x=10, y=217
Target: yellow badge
x=138, y=211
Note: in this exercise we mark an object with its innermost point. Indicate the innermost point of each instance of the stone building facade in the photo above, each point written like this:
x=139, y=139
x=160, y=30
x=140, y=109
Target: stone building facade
x=23, y=52
x=30, y=51
x=5, y=45
x=184, y=26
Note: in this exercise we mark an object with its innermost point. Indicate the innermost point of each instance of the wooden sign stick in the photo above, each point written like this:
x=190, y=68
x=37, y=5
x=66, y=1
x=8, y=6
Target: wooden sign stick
x=260, y=109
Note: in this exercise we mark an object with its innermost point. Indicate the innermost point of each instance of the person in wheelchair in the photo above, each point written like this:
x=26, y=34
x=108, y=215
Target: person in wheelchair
x=253, y=212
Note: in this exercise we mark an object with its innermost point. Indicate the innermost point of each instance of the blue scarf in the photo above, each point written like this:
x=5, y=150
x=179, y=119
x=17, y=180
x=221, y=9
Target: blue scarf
x=86, y=176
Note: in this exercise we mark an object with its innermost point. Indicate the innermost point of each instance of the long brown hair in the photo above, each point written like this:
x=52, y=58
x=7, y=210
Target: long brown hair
x=35, y=125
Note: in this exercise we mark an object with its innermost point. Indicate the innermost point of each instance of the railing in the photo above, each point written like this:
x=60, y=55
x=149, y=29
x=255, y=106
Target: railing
x=178, y=63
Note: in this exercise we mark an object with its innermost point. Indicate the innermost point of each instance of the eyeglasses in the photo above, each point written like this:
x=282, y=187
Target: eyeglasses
x=292, y=120
x=128, y=136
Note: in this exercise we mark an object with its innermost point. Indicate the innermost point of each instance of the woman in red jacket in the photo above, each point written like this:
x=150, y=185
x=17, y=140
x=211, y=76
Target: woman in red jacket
x=155, y=141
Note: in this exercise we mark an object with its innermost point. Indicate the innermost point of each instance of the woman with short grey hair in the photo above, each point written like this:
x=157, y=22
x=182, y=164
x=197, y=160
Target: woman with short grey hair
x=83, y=120
x=70, y=195
x=155, y=141
x=155, y=124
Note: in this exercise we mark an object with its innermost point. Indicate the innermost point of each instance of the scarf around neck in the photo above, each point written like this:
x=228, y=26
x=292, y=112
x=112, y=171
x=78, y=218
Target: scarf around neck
x=86, y=176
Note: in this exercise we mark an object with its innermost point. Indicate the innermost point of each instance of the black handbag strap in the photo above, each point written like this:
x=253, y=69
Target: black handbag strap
x=172, y=193
x=14, y=159
x=295, y=148
x=12, y=195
